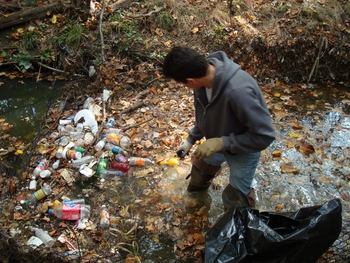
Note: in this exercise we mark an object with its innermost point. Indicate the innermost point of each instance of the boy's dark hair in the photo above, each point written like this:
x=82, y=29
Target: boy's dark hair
x=182, y=63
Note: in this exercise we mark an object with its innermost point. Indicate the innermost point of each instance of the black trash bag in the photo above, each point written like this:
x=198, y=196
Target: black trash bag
x=244, y=235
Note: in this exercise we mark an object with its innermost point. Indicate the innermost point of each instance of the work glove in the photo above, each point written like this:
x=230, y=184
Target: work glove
x=184, y=148
x=209, y=147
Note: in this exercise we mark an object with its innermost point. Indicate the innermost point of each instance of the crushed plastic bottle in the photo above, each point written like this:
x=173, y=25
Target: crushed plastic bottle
x=138, y=161
x=40, y=194
x=43, y=236
x=71, y=211
x=104, y=218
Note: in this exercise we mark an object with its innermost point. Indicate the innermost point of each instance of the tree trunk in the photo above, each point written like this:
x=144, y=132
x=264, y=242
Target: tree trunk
x=25, y=15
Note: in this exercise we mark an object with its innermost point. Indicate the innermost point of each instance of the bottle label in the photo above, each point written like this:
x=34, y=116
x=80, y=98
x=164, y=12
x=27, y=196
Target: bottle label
x=114, y=138
x=40, y=194
x=139, y=162
x=104, y=214
x=71, y=211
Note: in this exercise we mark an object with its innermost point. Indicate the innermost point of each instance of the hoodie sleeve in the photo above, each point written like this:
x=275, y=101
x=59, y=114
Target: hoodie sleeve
x=252, y=113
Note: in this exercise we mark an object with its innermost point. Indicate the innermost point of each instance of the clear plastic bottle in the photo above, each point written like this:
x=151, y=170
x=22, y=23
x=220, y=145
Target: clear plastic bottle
x=62, y=130
x=69, y=128
x=125, y=142
x=71, y=211
x=104, y=217
x=74, y=135
x=114, y=130
x=40, y=194
x=45, y=174
x=100, y=145
x=43, y=235
x=43, y=164
x=79, y=127
x=110, y=123
x=105, y=174
x=82, y=160
x=138, y=161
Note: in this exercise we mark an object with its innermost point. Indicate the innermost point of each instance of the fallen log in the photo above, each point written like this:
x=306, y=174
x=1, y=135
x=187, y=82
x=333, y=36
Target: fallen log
x=26, y=15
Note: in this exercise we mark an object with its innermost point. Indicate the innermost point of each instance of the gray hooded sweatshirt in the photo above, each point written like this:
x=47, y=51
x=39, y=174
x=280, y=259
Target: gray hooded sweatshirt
x=237, y=111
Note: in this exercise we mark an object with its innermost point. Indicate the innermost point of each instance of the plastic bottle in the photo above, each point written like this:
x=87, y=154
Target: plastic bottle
x=79, y=143
x=114, y=138
x=138, y=161
x=56, y=164
x=40, y=194
x=74, y=201
x=33, y=184
x=62, y=130
x=94, y=127
x=104, y=217
x=114, y=149
x=79, y=127
x=69, y=128
x=100, y=145
x=87, y=102
x=45, y=174
x=71, y=154
x=43, y=235
x=110, y=123
x=74, y=135
x=105, y=174
x=102, y=165
x=43, y=164
x=71, y=211
x=120, y=158
x=123, y=167
x=114, y=130
x=82, y=160
x=125, y=142
x=62, y=141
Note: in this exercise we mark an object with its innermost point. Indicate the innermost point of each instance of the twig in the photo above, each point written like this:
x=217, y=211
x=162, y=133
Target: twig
x=135, y=125
x=100, y=29
x=57, y=70
x=133, y=107
x=148, y=14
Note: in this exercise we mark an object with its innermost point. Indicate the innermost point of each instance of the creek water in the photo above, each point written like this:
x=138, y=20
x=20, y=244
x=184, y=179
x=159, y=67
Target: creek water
x=313, y=178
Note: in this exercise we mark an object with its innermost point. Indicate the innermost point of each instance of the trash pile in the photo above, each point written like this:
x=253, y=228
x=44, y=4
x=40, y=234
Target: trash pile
x=80, y=149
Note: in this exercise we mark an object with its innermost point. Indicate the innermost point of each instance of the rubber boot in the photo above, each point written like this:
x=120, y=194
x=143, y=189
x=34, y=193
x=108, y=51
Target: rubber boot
x=232, y=197
x=201, y=175
x=251, y=198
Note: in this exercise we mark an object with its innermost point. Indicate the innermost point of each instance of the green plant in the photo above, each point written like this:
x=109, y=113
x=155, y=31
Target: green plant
x=72, y=35
x=23, y=60
x=30, y=40
x=165, y=21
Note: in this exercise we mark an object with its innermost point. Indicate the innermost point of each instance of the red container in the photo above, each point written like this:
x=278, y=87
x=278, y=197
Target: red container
x=123, y=167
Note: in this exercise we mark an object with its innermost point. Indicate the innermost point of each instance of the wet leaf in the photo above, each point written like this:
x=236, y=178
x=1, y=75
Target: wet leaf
x=306, y=149
x=288, y=168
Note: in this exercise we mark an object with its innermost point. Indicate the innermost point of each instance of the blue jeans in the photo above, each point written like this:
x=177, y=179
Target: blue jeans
x=242, y=168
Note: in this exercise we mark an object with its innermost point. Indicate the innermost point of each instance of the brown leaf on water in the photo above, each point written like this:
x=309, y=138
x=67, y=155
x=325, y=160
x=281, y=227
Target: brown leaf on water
x=278, y=208
x=347, y=152
x=198, y=238
x=288, y=168
x=277, y=153
x=21, y=217
x=306, y=148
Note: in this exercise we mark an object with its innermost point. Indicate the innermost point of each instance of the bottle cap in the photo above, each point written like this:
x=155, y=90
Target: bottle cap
x=50, y=211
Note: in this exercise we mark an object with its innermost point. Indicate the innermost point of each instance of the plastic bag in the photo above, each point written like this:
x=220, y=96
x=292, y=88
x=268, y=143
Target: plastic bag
x=244, y=235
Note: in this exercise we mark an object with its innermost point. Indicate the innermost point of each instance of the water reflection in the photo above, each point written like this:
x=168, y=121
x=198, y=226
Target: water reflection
x=23, y=104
